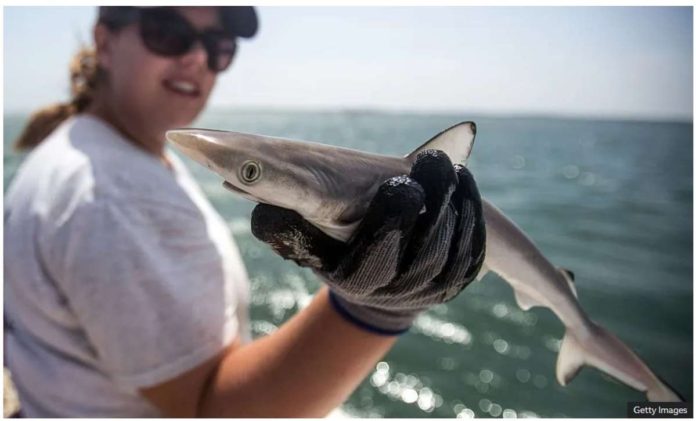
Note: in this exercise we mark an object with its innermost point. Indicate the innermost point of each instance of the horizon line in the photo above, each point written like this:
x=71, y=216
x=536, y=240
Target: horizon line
x=503, y=114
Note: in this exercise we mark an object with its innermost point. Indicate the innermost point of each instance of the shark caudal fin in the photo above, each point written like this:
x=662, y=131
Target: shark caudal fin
x=604, y=351
x=456, y=141
x=661, y=392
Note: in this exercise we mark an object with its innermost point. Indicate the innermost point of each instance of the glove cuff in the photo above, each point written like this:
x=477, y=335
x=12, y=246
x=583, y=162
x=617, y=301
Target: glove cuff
x=372, y=319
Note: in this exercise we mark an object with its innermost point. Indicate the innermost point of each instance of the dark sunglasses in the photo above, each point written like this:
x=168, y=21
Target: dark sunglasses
x=166, y=33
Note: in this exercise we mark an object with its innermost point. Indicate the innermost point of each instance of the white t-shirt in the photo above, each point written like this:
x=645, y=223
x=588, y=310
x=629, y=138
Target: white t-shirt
x=118, y=275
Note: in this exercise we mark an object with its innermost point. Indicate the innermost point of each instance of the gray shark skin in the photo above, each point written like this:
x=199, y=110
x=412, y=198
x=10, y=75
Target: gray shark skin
x=331, y=187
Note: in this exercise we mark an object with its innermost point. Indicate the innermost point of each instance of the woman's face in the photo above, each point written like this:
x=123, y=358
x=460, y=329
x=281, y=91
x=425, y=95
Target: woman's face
x=146, y=93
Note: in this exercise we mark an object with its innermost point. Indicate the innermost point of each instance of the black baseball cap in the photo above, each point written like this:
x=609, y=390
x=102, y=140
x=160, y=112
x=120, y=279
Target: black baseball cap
x=241, y=21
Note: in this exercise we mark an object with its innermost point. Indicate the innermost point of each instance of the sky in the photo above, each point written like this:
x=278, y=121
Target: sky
x=622, y=62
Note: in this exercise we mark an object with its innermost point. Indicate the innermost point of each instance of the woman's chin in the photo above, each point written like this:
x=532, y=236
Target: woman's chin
x=185, y=117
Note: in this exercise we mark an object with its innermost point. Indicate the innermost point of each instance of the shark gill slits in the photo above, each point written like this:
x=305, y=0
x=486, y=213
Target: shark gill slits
x=250, y=172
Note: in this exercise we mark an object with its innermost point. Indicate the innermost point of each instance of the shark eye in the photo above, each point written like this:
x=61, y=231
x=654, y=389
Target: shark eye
x=250, y=172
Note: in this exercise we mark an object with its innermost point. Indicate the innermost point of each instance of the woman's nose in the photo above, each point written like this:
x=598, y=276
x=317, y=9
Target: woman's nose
x=197, y=55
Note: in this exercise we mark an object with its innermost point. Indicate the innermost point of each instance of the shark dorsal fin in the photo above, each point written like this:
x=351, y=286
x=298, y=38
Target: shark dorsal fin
x=456, y=141
x=570, y=279
x=569, y=274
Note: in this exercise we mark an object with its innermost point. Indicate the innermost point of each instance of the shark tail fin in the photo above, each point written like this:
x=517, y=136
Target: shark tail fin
x=601, y=349
x=570, y=361
x=662, y=392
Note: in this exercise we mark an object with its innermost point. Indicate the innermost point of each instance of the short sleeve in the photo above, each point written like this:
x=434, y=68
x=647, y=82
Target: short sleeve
x=147, y=285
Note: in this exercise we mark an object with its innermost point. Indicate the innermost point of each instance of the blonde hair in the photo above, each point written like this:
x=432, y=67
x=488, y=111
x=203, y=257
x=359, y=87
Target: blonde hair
x=84, y=77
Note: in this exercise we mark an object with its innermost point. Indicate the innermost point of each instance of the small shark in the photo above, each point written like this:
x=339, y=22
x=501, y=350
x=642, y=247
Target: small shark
x=331, y=187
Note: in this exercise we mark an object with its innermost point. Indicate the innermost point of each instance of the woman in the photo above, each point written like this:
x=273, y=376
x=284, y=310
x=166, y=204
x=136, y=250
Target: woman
x=124, y=293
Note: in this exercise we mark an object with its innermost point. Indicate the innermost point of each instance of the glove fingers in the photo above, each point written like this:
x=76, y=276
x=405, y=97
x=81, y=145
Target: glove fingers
x=434, y=172
x=293, y=237
x=378, y=242
x=469, y=245
x=471, y=220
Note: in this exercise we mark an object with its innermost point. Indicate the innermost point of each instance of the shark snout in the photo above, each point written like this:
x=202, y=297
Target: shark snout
x=200, y=145
x=182, y=138
x=191, y=141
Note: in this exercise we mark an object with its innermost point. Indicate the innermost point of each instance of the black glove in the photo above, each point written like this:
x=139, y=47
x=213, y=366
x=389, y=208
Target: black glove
x=400, y=261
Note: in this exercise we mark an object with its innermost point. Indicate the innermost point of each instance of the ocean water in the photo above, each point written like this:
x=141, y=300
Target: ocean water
x=610, y=200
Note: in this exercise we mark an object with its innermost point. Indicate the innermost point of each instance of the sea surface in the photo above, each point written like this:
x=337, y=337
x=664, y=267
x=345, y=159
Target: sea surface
x=610, y=200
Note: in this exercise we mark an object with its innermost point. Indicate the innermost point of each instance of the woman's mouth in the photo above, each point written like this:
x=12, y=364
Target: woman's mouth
x=182, y=87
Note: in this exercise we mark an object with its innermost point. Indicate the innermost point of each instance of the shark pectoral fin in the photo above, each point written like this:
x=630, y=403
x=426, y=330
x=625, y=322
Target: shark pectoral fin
x=524, y=301
x=456, y=141
x=336, y=230
x=570, y=360
x=570, y=279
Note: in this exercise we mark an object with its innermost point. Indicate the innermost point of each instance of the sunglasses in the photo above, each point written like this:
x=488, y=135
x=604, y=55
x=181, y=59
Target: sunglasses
x=166, y=33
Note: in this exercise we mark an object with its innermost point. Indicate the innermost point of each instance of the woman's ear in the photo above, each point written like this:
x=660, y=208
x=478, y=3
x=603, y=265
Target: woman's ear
x=102, y=43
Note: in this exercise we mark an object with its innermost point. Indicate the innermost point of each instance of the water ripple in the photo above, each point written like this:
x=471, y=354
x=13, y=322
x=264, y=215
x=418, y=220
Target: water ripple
x=441, y=330
x=408, y=389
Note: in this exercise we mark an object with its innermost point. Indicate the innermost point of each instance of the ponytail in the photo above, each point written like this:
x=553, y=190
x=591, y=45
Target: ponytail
x=84, y=75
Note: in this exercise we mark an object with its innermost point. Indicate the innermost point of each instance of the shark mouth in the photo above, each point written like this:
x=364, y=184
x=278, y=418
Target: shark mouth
x=234, y=189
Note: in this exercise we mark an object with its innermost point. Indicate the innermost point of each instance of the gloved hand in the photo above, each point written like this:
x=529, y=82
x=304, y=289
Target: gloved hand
x=399, y=261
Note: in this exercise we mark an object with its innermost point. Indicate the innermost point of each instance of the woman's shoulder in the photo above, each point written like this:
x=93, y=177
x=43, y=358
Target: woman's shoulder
x=85, y=160
x=118, y=167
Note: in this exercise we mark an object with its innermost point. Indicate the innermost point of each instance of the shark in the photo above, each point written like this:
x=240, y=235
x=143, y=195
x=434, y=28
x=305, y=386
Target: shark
x=331, y=187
